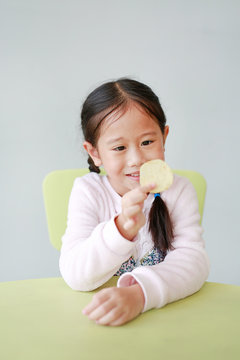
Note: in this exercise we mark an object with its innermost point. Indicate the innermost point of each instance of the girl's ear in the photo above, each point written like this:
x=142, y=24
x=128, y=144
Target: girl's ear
x=166, y=131
x=93, y=152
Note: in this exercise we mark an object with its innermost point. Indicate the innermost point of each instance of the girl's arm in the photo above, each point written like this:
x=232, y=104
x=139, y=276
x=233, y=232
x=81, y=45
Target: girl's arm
x=94, y=247
x=185, y=268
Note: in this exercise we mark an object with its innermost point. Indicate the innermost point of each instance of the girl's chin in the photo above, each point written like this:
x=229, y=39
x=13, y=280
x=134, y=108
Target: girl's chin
x=133, y=185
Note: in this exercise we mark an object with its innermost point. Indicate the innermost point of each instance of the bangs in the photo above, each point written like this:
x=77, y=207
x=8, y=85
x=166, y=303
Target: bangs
x=109, y=115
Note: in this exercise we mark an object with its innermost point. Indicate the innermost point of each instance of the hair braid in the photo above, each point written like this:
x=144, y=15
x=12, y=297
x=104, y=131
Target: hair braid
x=92, y=167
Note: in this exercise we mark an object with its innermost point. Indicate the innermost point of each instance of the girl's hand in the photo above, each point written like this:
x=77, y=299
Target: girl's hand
x=115, y=306
x=131, y=219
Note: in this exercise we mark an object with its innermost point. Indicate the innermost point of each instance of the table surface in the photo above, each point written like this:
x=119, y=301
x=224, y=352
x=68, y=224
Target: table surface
x=42, y=319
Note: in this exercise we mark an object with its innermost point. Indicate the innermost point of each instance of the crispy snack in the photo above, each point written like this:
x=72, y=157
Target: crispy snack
x=156, y=172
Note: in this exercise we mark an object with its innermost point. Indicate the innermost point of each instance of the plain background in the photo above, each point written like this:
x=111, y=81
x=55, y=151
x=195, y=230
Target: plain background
x=53, y=53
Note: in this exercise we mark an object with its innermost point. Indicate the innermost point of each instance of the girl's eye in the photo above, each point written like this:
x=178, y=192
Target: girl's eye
x=119, y=148
x=146, y=142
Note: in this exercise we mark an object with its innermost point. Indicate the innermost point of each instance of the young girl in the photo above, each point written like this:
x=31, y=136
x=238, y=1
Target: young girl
x=117, y=227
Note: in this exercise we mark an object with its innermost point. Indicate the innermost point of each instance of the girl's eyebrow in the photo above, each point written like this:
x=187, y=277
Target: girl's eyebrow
x=150, y=133
x=114, y=140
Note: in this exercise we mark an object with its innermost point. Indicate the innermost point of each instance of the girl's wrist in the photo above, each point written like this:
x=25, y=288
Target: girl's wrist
x=140, y=298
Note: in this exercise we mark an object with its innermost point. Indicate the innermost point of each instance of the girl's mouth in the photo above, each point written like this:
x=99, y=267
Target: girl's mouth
x=134, y=176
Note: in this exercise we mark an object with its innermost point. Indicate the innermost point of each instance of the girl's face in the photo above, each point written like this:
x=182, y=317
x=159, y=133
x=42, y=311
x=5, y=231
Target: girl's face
x=124, y=144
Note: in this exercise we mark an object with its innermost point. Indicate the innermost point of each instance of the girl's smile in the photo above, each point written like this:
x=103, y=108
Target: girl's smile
x=125, y=143
x=134, y=176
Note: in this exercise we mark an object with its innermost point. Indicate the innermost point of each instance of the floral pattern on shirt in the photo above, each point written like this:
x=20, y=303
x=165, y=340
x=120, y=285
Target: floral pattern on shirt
x=153, y=257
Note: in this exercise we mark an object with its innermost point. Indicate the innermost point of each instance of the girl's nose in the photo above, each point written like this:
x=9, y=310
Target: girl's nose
x=135, y=158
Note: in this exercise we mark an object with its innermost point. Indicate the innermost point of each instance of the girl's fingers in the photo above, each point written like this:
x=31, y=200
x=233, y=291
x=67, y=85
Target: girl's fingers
x=129, y=224
x=138, y=195
x=97, y=300
x=132, y=218
x=122, y=319
x=104, y=307
x=120, y=306
x=89, y=308
x=129, y=214
x=101, y=311
x=110, y=316
x=147, y=188
x=132, y=211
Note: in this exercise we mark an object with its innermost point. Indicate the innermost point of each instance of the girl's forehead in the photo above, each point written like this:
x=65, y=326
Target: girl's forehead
x=129, y=109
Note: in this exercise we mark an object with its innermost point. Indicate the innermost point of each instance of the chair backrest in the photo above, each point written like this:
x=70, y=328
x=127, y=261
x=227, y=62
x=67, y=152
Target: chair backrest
x=57, y=187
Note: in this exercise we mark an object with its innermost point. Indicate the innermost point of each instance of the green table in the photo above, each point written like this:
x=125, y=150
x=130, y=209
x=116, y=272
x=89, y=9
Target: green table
x=42, y=319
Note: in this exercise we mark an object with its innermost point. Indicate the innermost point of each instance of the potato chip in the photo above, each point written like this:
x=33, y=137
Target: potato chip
x=156, y=172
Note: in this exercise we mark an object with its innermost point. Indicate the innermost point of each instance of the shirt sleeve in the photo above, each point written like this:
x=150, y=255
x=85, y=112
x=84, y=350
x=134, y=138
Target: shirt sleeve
x=186, y=267
x=92, y=247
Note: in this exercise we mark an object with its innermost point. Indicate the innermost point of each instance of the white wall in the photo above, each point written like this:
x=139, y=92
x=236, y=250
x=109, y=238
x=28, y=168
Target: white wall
x=54, y=52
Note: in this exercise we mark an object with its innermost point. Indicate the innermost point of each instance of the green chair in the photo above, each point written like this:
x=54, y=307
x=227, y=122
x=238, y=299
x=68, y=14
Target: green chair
x=57, y=187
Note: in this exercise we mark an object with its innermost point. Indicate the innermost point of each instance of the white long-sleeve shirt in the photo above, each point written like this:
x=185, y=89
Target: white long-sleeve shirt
x=93, y=249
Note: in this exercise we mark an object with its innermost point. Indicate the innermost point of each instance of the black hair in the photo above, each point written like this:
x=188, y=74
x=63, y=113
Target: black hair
x=116, y=95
